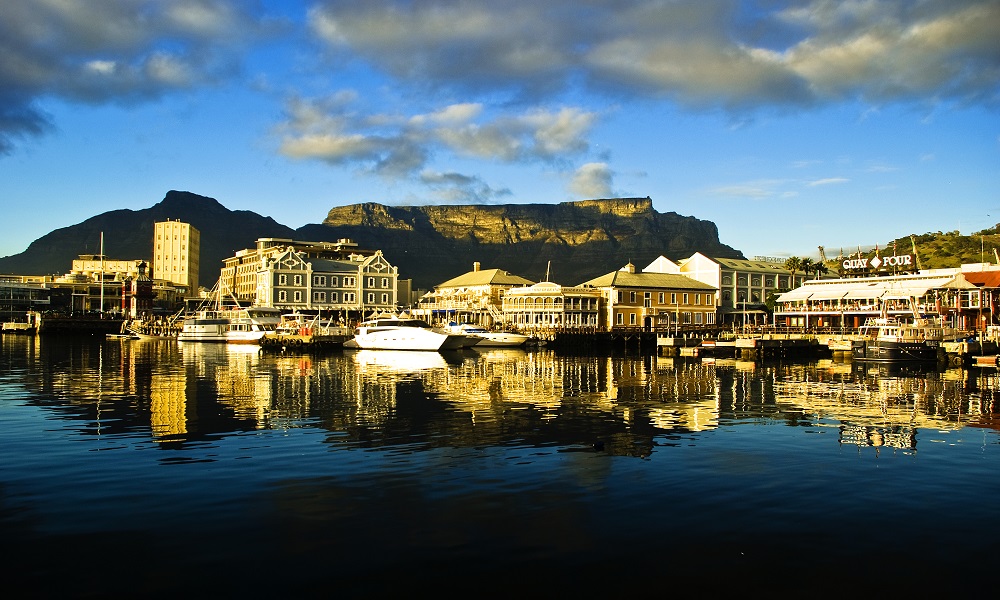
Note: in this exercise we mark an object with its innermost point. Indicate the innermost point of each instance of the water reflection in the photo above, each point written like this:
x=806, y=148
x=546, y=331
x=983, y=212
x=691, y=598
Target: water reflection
x=619, y=405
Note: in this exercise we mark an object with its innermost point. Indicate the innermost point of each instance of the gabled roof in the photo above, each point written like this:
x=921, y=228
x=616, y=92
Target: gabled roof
x=624, y=279
x=484, y=277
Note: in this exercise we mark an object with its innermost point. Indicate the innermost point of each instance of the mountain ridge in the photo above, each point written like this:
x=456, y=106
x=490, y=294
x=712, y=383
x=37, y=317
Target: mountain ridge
x=429, y=244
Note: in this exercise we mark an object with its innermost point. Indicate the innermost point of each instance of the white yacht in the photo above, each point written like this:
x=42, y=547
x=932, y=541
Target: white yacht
x=490, y=338
x=394, y=333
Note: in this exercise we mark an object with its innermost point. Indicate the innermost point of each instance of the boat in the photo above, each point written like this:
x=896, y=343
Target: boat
x=301, y=331
x=234, y=325
x=890, y=338
x=229, y=323
x=395, y=333
x=488, y=338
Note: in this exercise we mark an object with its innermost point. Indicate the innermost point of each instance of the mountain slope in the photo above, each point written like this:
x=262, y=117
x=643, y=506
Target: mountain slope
x=573, y=241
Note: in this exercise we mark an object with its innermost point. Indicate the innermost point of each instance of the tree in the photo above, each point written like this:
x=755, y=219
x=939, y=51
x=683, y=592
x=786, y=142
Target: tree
x=793, y=264
x=807, y=265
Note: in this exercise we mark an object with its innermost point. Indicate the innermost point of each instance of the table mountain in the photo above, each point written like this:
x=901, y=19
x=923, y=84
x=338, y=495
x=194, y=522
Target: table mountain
x=574, y=241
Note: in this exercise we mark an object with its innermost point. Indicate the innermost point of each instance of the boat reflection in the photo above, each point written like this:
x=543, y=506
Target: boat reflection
x=624, y=405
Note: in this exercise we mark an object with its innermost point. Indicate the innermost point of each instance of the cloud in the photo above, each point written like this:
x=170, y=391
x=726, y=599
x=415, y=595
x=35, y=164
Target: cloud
x=827, y=181
x=118, y=51
x=701, y=54
x=329, y=129
x=593, y=180
x=456, y=188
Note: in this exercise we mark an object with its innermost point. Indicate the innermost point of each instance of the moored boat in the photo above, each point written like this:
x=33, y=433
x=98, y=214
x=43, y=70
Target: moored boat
x=487, y=338
x=395, y=333
x=231, y=325
x=896, y=339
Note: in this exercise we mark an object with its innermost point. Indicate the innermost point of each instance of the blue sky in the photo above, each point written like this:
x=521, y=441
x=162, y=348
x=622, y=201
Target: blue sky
x=788, y=124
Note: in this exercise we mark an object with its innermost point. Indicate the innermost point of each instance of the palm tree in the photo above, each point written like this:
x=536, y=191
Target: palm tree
x=821, y=269
x=793, y=264
x=806, y=264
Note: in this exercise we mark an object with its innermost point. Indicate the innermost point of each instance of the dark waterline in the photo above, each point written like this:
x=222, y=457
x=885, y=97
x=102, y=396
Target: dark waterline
x=153, y=469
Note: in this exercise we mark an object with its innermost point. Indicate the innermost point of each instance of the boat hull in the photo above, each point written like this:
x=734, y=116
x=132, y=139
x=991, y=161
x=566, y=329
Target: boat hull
x=888, y=351
x=405, y=339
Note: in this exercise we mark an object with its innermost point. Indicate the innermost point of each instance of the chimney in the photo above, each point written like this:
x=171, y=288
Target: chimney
x=475, y=267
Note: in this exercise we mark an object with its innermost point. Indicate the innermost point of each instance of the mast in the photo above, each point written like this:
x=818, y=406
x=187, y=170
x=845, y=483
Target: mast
x=101, y=309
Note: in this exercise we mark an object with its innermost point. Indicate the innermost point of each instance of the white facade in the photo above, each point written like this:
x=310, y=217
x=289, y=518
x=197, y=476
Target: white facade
x=177, y=254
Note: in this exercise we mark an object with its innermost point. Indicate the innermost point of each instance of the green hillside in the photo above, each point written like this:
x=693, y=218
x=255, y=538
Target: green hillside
x=941, y=250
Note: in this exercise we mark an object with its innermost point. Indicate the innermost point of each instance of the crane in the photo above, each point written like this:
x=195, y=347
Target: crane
x=916, y=256
x=822, y=254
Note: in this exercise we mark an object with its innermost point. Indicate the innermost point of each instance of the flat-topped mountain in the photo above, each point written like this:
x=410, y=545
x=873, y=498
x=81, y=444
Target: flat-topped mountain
x=573, y=241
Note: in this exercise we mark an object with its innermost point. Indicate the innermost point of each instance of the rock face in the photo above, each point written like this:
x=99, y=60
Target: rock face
x=572, y=241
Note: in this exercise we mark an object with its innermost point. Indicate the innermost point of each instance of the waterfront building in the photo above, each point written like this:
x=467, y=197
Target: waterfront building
x=355, y=287
x=476, y=296
x=965, y=298
x=743, y=285
x=548, y=305
x=177, y=254
x=239, y=272
x=653, y=300
x=20, y=295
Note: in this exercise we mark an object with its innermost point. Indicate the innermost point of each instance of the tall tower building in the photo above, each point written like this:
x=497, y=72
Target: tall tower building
x=176, y=253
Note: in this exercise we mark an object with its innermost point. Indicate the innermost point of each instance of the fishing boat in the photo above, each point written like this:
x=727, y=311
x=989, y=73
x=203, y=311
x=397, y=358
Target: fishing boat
x=899, y=338
x=487, y=338
x=396, y=333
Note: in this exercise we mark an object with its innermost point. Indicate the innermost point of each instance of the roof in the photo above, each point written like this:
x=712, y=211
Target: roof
x=484, y=277
x=742, y=264
x=913, y=286
x=624, y=279
x=985, y=279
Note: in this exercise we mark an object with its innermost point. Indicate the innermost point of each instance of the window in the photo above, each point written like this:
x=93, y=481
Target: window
x=282, y=279
x=350, y=281
x=697, y=299
x=349, y=297
x=333, y=297
x=371, y=298
x=385, y=282
x=319, y=280
x=673, y=298
x=631, y=297
x=685, y=298
x=333, y=282
x=385, y=298
x=620, y=319
x=298, y=296
x=371, y=282
x=647, y=299
x=661, y=297
x=319, y=296
x=298, y=280
x=697, y=318
x=727, y=280
x=710, y=318
x=631, y=318
x=282, y=296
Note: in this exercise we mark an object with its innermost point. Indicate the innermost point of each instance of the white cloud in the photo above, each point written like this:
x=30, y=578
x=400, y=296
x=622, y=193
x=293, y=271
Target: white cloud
x=593, y=180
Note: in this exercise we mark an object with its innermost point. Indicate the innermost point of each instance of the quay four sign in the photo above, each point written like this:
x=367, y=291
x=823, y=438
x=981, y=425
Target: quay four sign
x=902, y=261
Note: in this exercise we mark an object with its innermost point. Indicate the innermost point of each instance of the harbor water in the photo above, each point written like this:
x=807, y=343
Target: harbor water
x=155, y=469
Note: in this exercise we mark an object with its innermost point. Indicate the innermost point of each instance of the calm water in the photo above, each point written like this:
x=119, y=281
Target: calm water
x=155, y=469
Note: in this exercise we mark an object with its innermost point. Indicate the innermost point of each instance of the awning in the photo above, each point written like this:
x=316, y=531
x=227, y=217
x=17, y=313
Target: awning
x=864, y=293
x=795, y=295
x=828, y=292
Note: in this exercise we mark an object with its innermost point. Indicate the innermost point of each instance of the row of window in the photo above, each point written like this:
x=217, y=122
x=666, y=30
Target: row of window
x=700, y=318
x=331, y=297
x=647, y=298
x=323, y=280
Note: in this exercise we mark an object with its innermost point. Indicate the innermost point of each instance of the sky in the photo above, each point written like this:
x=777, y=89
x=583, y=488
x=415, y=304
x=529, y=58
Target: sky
x=790, y=125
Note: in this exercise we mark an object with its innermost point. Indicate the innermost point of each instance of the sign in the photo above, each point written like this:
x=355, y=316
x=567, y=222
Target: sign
x=902, y=262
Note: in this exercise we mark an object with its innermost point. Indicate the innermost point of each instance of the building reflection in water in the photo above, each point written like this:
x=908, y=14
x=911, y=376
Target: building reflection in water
x=616, y=404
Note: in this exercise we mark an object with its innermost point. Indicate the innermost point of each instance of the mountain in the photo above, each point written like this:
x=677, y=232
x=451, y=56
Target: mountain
x=572, y=241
